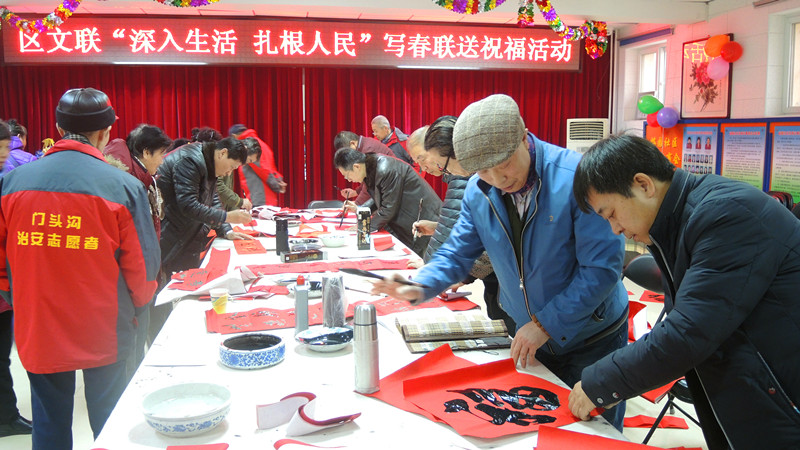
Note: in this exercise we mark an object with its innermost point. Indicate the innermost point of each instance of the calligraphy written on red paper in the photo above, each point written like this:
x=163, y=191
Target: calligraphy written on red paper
x=506, y=406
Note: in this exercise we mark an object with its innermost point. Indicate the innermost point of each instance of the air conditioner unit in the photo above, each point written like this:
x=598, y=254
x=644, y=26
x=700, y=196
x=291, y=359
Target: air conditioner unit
x=583, y=133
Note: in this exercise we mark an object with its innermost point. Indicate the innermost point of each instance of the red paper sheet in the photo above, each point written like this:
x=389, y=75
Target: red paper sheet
x=277, y=290
x=551, y=438
x=657, y=394
x=490, y=400
x=239, y=229
x=650, y=296
x=383, y=243
x=194, y=278
x=262, y=319
x=641, y=421
x=439, y=360
x=198, y=447
x=329, y=266
x=249, y=247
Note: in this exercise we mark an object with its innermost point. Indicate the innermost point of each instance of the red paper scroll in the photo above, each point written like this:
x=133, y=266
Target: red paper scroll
x=650, y=296
x=490, y=400
x=436, y=361
x=330, y=266
x=248, y=247
x=557, y=439
x=194, y=278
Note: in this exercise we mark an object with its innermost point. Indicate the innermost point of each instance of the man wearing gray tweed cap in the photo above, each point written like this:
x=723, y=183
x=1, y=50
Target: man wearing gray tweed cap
x=558, y=267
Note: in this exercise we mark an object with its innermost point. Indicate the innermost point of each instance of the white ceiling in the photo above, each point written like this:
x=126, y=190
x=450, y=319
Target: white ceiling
x=617, y=13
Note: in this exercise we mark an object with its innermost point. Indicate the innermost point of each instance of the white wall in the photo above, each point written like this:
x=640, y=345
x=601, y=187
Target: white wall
x=758, y=84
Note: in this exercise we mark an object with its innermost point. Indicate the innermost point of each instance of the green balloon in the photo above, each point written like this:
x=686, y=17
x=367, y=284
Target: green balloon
x=649, y=104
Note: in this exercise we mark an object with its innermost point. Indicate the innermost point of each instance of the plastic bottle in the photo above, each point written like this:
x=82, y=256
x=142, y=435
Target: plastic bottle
x=365, y=349
x=300, y=305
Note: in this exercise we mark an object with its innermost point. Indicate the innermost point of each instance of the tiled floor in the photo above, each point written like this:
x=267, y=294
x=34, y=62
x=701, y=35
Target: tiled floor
x=82, y=434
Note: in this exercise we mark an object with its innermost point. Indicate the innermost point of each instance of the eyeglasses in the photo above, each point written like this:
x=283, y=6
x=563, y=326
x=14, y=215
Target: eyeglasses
x=444, y=169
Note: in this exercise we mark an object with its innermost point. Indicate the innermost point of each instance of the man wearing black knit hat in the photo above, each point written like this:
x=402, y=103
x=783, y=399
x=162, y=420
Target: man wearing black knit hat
x=86, y=228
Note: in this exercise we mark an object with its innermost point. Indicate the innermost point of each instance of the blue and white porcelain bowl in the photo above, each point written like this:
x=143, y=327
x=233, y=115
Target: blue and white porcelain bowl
x=252, y=351
x=187, y=409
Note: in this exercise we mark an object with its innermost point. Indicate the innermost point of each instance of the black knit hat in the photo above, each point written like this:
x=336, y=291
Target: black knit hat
x=84, y=109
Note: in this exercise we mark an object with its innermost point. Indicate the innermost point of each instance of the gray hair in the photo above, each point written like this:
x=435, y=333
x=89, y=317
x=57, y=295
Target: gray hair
x=381, y=121
x=418, y=136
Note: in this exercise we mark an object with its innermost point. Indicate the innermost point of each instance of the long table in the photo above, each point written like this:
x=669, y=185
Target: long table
x=185, y=352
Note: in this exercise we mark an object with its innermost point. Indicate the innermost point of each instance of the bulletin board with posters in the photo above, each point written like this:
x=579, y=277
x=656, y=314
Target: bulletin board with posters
x=699, y=143
x=744, y=149
x=785, y=161
x=764, y=152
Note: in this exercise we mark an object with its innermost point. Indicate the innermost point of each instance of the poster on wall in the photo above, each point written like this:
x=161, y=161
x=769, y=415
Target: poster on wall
x=699, y=149
x=785, y=160
x=668, y=140
x=743, y=153
x=700, y=95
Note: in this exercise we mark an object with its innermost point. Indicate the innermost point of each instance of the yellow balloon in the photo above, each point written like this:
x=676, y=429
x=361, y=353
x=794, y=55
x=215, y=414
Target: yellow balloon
x=714, y=44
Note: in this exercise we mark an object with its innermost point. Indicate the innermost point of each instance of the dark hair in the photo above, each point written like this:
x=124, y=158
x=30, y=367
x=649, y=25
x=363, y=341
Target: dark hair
x=236, y=149
x=252, y=146
x=146, y=137
x=609, y=166
x=345, y=157
x=237, y=129
x=17, y=129
x=5, y=132
x=205, y=134
x=343, y=139
x=180, y=142
x=440, y=136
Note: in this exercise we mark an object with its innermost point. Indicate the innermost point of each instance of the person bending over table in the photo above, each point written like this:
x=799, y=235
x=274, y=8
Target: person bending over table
x=730, y=258
x=559, y=268
x=396, y=192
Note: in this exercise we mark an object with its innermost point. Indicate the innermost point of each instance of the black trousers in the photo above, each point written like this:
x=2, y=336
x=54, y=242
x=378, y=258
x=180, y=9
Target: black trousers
x=8, y=401
x=491, y=293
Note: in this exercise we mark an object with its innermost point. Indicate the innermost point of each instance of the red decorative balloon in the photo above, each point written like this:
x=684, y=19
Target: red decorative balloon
x=652, y=120
x=731, y=51
x=714, y=44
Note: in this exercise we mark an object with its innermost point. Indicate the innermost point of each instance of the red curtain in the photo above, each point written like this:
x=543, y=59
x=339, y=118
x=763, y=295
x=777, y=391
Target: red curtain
x=270, y=100
x=347, y=99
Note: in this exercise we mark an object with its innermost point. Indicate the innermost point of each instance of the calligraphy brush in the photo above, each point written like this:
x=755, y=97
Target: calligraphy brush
x=419, y=214
x=365, y=273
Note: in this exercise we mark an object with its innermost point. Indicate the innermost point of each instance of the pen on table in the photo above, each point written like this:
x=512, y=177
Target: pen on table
x=419, y=214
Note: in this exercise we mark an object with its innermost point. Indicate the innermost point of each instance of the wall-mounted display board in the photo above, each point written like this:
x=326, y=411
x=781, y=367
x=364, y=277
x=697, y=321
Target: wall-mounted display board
x=785, y=167
x=699, y=149
x=764, y=152
x=744, y=148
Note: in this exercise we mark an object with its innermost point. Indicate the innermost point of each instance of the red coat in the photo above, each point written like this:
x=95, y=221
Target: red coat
x=79, y=253
x=265, y=167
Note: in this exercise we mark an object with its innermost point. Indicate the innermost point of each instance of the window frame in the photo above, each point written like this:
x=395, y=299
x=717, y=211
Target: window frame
x=792, y=46
x=660, y=51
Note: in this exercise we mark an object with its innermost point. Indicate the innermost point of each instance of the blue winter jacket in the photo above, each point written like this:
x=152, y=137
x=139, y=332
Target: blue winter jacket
x=570, y=277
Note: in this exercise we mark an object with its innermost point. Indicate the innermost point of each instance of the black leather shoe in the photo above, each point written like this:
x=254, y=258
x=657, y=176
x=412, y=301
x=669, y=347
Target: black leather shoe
x=20, y=425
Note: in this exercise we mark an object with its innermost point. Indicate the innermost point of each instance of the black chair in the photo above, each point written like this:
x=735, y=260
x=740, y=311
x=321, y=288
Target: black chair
x=318, y=204
x=644, y=271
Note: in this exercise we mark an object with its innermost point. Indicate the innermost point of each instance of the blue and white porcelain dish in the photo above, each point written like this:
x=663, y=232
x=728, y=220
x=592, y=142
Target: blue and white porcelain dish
x=252, y=351
x=186, y=409
x=323, y=339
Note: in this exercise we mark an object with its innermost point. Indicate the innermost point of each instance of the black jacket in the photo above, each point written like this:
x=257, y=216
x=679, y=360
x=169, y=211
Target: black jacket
x=396, y=191
x=448, y=215
x=188, y=186
x=730, y=256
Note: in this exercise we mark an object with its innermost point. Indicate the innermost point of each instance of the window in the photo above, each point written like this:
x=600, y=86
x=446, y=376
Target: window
x=791, y=102
x=652, y=73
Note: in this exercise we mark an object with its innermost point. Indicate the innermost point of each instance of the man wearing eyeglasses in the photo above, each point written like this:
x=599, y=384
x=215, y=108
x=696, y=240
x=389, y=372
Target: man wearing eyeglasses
x=558, y=267
x=398, y=195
